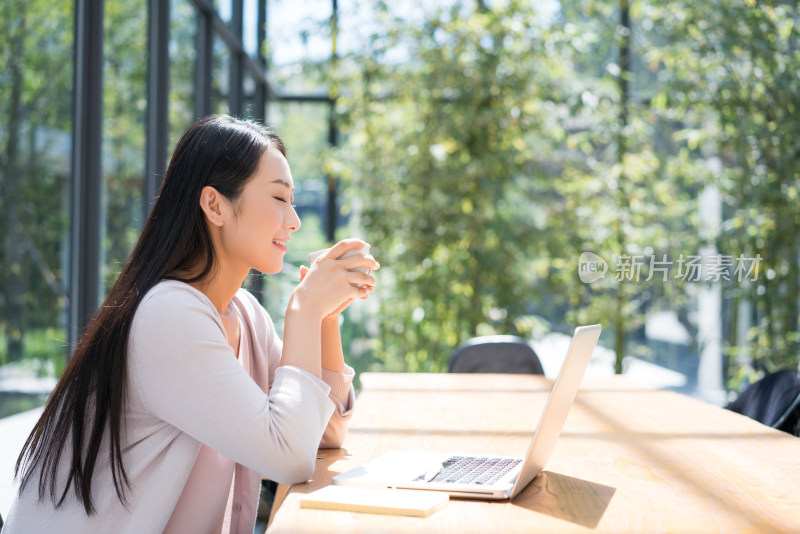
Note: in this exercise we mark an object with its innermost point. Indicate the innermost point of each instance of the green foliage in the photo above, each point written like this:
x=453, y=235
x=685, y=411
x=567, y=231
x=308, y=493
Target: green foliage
x=486, y=145
x=442, y=146
x=182, y=52
x=490, y=146
x=618, y=189
x=35, y=104
x=738, y=68
x=44, y=351
x=304, y=129
x=124, y=112
x=487, y=161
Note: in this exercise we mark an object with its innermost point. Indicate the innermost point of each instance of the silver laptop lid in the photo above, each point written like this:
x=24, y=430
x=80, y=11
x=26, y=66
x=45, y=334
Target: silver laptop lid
x=558, y=404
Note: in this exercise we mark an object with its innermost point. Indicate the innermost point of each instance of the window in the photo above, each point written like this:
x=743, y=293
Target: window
x=182, y=52
x=205, y=63
x=123, y=134
x=220, y=77
x=35, y=128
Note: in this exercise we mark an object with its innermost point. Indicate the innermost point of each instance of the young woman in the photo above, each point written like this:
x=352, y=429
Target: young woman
x=180, y=395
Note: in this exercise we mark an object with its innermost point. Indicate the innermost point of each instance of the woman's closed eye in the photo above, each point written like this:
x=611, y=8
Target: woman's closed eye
x=285, y=201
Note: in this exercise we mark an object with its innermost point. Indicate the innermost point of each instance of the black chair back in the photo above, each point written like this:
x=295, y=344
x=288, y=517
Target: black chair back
x=495, y=354
x=773, y=400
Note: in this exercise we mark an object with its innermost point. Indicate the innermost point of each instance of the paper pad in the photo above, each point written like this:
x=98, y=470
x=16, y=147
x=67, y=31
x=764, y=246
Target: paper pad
x=375, y=501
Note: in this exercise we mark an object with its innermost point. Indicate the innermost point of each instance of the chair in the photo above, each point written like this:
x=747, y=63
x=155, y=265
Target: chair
x=495, y=354
x=773, y=400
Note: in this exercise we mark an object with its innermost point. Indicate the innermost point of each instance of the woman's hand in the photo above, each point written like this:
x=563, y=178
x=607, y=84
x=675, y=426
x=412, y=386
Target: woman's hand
x=331, y=283
x=334, y=315
x=326, y=288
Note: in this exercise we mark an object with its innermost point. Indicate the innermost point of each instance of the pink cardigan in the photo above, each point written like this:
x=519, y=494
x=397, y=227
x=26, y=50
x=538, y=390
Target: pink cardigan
x=186, y=388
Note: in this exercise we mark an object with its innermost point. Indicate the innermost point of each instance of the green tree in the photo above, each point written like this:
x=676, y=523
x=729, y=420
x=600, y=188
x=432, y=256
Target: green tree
x=735, y=64
x=124, y=115
x=494, y=146
x=626, y=189
x=445, y=117
x=35, y=103
x=182, y=52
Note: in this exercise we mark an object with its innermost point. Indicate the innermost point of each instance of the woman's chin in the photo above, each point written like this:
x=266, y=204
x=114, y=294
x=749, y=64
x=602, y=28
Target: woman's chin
x=270, y=268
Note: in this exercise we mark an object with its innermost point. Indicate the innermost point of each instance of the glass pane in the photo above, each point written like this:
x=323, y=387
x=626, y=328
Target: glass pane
x=298, y=32
x=35, y=143
x=124, y=119
x=249, y=97
x=250, y=27
x=304, y=129
x=220, y=79
x=182, y=53
x=224, y=8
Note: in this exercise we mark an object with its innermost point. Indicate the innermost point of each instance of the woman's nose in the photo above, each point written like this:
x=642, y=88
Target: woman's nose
x=294, y=220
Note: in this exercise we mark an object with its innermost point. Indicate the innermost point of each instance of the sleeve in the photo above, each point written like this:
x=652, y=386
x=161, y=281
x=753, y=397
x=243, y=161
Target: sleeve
x=341, y=384
x=344, y=399
x=186, y=375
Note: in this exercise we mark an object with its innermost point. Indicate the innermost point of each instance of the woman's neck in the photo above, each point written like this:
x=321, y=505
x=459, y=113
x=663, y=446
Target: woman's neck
x=220, y=286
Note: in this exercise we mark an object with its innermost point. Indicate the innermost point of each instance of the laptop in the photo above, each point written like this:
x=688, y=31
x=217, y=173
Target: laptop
x=484, y=476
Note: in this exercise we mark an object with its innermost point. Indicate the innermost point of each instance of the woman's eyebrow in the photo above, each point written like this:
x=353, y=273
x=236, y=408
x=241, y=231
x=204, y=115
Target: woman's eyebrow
x=283, y=182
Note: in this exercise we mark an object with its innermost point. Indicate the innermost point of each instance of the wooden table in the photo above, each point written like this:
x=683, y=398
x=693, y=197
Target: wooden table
x=629, y=459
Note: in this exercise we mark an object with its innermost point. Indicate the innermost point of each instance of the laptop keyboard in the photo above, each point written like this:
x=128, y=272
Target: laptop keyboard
x=471, y=470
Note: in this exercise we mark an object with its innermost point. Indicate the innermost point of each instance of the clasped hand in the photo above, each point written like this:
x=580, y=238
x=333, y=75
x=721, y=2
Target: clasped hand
x=331, y=283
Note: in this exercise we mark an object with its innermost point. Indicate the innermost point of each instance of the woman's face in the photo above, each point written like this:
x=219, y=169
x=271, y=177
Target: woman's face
x=263, y=217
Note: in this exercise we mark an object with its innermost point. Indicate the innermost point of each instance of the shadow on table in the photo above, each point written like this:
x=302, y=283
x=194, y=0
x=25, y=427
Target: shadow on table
x=563, y=497
x=559, y=496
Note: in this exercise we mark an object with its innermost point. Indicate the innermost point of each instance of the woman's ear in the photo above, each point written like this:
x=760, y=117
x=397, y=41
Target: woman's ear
x=212, y=204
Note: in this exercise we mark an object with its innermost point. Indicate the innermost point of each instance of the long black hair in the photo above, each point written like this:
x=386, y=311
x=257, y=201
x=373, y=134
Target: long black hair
x=89, y=401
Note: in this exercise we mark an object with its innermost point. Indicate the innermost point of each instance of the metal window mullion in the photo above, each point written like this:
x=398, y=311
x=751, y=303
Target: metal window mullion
x=260, y=100
x=269, y=95
x=236, y=91
x=259, y=113
x=261, y=84
x=85, y=220
x=157, y=99
x=333, y=180
x=333, y=134
x=325, y=99
x=224, y=32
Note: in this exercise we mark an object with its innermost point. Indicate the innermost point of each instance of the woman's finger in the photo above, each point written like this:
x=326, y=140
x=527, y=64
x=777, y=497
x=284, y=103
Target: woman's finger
x=344, y=246
x=359, y=279
x=359, y=261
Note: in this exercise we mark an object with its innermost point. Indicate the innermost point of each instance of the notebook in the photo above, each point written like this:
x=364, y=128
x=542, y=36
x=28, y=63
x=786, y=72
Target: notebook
x=481, y=476
x=375, y=501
